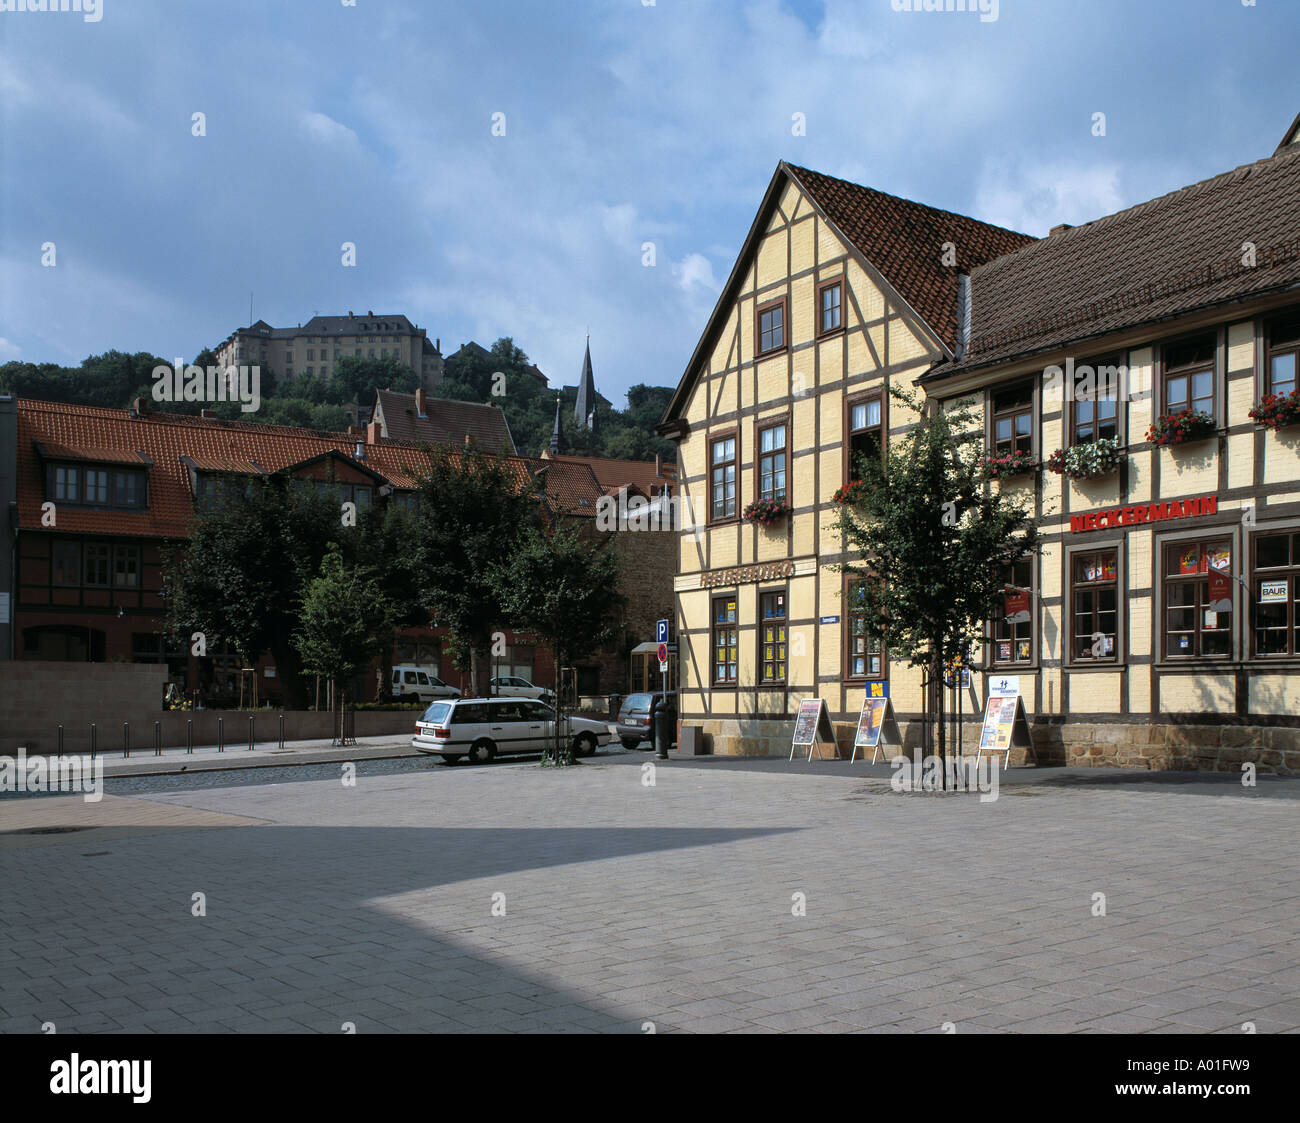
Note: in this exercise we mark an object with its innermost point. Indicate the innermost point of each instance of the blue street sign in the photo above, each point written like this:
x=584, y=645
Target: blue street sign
x=829, y=620
x=661, y=632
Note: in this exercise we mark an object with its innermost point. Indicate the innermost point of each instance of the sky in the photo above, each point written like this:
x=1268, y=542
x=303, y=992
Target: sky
x=500, y=165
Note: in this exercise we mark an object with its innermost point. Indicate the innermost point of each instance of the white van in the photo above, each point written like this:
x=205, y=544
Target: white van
x=420, y=683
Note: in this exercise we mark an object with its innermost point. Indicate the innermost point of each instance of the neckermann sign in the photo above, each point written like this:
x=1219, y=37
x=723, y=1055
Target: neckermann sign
x=1145, y=513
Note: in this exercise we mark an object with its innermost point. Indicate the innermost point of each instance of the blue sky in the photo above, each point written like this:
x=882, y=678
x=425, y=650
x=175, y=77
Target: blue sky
x=625, y=123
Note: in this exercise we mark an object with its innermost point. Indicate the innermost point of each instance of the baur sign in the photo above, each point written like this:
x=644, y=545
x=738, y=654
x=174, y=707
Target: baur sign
x=1145, y=513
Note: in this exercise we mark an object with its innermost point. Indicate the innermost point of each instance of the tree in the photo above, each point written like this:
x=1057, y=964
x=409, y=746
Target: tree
x=343, y=619
x=935, y=541
x=241, y=575
x=469, y=512
x=566, y=590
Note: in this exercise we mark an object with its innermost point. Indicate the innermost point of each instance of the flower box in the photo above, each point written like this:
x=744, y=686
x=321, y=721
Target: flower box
x=1181, y=428
x=765, y=512
x=852, y=492
x=1277, y=410
x=1087, y=461
x=1001, y=465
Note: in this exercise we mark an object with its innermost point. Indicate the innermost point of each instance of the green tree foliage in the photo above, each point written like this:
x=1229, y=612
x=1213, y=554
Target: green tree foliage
x=564, y=588
x=239, y=577
x=934, y=542
x=469, y=513
x=343, y=619
x=111, y=379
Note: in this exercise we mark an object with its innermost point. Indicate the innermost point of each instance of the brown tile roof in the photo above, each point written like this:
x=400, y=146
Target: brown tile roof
x=114, y=436
x=613, y=474
x=447, y=423
x=904, y=241
x=570, y=488
x=1172, y=255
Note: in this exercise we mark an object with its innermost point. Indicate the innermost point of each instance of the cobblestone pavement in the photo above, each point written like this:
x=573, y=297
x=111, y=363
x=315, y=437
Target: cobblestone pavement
x=673, y=904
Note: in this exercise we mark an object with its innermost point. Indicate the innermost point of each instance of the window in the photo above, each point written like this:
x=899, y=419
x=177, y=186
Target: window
x=126, y=567
x=726, y=641
x=64, y=483
x=722, y=476
x=866, y=434
x=771, y=462
x=1189, y=375
x=1013, y=638
x=1275, y=594
x=771, y=326
x=99, y=564
x=1095, y=602
x=866, y=657
x=1094, y=404
x=1013, y=419
x=1283, y=355
x=830, y=299
x=372, y=353
x=773, y=645
x=1198, y=599
x=67, y=563
x=309, y=370
x=128, y=489
x=336, y=354
x=311, y=352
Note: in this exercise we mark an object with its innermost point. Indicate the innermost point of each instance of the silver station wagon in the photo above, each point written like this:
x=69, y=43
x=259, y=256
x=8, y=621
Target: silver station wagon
x=482, y=728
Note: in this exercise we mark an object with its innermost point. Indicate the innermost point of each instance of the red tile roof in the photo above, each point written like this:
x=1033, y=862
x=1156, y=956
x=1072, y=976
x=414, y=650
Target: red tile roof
x=114, y=436
x=613, y=474
x=448, y=422
x=904, y=241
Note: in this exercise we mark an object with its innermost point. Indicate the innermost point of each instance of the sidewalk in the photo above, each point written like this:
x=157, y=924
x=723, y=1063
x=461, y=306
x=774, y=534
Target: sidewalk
x=265, y=754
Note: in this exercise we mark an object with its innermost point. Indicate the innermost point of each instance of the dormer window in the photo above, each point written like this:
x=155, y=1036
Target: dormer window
x=91, y=486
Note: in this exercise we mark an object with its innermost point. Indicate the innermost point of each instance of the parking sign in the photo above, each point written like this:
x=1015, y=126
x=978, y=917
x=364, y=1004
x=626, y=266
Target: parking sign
x=661, y=632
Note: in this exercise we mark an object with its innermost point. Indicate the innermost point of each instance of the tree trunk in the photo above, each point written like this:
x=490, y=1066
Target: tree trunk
x=939, y=714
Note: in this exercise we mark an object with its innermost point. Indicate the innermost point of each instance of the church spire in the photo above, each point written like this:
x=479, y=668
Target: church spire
x=584, y=409
x=555, y=434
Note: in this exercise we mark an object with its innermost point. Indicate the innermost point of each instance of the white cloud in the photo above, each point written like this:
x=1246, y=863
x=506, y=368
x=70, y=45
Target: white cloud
x=1033, y=198
x=9, y=350
x=695, y=273
x=325, y=129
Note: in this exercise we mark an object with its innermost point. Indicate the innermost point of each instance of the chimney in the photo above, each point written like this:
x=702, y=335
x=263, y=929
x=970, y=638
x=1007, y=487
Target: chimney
x=437, y=345
x=138, y=408
x=360, y=452
x=659, y=464
x=207, y=413
x=419, y=401
x=1058, y=229
x=963, y=315
x=355, y=432
x=372, y=433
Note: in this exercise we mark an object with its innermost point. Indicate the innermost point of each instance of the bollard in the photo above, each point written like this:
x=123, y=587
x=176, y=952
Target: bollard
x=282, y=731
x=92, y=740
x=157, y=738
x=189, y=735
x=250, y=733
x=126, y=738
x=221, y=734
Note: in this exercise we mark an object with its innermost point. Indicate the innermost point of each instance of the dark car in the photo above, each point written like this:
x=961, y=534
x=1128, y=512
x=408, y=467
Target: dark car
x=633, y=723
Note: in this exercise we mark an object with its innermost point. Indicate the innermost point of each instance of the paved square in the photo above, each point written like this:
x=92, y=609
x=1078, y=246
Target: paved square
x=626, y=904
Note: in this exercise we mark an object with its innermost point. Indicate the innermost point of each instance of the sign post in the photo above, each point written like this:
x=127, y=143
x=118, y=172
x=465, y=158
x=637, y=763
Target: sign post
x=661, y=636
x=812, y=726
x=876, y=724
x=1006, y=725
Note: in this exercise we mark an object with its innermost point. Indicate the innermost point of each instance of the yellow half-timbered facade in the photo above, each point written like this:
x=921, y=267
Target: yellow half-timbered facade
x=1162, y=626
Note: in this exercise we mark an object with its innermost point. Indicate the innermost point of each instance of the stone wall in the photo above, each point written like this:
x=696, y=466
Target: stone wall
x=1191, y=748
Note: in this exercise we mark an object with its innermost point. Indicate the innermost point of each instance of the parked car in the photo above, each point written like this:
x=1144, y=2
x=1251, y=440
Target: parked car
x=511, y=686
x=482, y=728
x=412, y=682
x=633, y=722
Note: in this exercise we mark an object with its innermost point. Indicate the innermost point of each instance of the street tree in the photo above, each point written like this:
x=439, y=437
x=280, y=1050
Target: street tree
x=343, y=619
x=470, y=510
x=566, y=589
x=933, y=540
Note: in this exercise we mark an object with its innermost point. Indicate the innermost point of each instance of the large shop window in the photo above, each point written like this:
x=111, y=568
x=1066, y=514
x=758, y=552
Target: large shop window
x=1095, y=599
x=722, y=476
x=772, y=462
x=1283, y=354
x=1189, y=375
x=1198, y=598
x=865, y=434
x=866, y=655
x=1013, y=419
x=773, y=645
x=1013, y=636
x=726, y=641
x=1275, y=593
